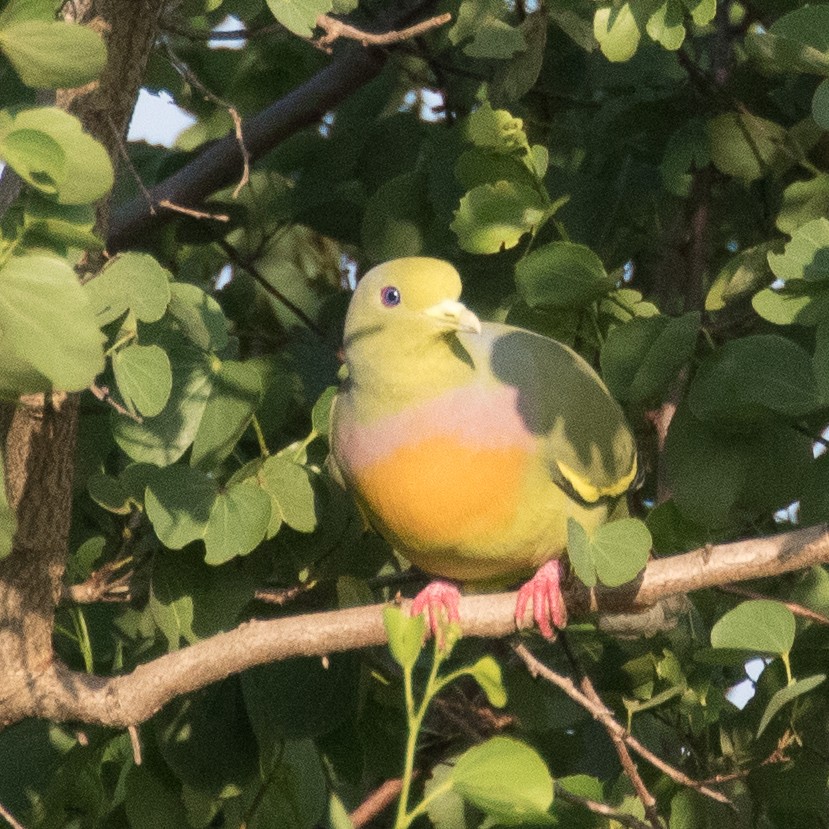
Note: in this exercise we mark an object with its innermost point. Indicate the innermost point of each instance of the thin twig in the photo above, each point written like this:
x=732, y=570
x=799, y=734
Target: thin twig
x=779, y=755
x=600, y=808
x=628, y=765
x=604, y=715
x=103, y=585
x=135, y=742
x=103, y=394
x=196, y=214
x=236, y=258
x=797, y=609
x=125, y=157
x=377, y=802
x=188, y=75
x=10, y=818
x=283, y=595
x=335, y=29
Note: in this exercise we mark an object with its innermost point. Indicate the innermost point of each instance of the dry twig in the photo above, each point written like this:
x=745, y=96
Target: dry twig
x=604, y=715
x=600, y=809
x=102, y=393
x=797, y=609
x=377, y=802
x=335, y=29
x=10, y=818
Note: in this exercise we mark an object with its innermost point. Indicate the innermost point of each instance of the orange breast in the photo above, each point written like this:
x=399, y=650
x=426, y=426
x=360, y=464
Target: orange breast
x=441, y=494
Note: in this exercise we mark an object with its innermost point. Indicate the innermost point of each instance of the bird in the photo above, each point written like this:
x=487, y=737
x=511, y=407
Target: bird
x=469, y=444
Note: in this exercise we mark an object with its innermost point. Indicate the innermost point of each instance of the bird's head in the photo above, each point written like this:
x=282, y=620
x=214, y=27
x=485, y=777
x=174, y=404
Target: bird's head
x=409, y=301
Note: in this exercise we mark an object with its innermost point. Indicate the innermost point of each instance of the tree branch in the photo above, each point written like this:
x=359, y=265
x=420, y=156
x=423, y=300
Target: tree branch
x=59, y=694
x=335, y=29
x=221, y=162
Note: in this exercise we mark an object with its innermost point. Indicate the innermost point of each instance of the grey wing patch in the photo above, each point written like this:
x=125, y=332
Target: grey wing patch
x=591, y=451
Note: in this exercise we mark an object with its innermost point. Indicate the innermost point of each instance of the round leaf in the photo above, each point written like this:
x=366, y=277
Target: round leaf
x=130, y=281
x=289, y=484
x=235, y=393
x=144, y=377
x=759, y=626
x=561, y=275
x=405, y=634
x=785, y=695
x=46, y=321
x=53, y=54
x=238, y=521
x=505, y=779
x=178, y=501
x=752, y=377
x=494, y=217
x=85, y=173
x=620, y=550
x=487, y=673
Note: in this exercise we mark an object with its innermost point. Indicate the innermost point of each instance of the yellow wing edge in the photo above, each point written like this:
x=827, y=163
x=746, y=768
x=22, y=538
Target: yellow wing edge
x=589, y=491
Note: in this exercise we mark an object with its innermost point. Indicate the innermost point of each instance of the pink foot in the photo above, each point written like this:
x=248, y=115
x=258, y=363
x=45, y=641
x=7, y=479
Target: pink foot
x=544, y=591
x=438, y=596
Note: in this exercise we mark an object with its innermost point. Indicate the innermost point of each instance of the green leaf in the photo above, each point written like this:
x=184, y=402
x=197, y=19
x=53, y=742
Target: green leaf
x=620, y=550
x=144, y=377
x=785, y=695
x=666, y=25
x=59, y=226
x=507, y=780
x=406, y=634
x=48, y=148
x=617, y=31
x=496, y=130
x=321, y=413
x=236, y=391
x=199, y=315
x=163, y=439
x=803, y=201
x=338, y=817
x=745, y=146
x=785, y=307
x=171, y=604
x=299, y=16
x=487, y=673
x=752, y=378
x=702, y=11
x=396, y=218
x=46, y=321
x=561, y=275
x=289, y=485
x=446, y=807
x=179, y=500
x=741, y=276
x=806, y=256
x=640, y=358
x=579, y=553
x=759, y=626
x=820, y=105
x=494, y=217
x=238, y=522
x=130, y=281
x=53, y=54
x=16, y=11
x=489, y=36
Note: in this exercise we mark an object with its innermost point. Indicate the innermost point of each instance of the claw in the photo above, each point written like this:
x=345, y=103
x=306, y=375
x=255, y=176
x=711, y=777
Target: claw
x=438, y=596
x=544, y=591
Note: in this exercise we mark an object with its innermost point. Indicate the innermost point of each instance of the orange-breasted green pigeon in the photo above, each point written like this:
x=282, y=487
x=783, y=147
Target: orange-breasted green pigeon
x=468, y=444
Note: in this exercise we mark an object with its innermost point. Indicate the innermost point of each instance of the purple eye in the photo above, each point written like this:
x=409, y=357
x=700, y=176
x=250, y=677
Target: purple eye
x=390, y=296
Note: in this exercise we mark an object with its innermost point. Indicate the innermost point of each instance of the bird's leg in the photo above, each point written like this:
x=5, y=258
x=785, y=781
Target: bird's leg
x=544, y=591
x=438, y=596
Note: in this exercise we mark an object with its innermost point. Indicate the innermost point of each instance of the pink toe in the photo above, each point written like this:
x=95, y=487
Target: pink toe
x=438, y=598
x=544, y=590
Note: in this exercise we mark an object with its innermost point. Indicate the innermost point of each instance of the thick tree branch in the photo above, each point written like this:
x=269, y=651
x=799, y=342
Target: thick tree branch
x=57, y=694
x=221, y=162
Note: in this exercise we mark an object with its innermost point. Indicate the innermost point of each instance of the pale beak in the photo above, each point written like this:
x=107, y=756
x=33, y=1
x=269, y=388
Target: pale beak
x=455, y=315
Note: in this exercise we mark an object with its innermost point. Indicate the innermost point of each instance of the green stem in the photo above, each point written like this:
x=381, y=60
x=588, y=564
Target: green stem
x=260, y=436
x=433, y=795
x=402, y=820
x=787, y=665
x=84, y=641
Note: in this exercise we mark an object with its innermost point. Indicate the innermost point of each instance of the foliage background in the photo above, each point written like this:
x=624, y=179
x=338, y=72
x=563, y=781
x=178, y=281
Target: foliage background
x=647, y=182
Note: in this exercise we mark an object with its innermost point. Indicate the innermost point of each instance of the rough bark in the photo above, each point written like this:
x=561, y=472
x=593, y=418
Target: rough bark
x=39, y=432
x=130, y=699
